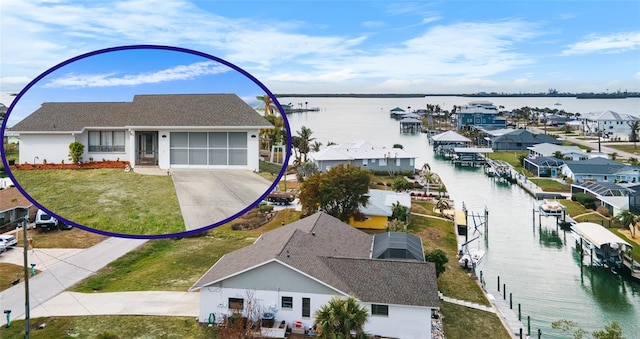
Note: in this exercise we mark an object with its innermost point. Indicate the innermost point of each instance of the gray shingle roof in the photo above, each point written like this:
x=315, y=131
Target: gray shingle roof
x=187, y=110
x=525, y=136
x=323, y=247
x=595, y=166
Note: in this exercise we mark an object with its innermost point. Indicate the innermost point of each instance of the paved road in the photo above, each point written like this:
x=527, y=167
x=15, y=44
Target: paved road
x=60, y=274
x=593, y=144
x=210, y=196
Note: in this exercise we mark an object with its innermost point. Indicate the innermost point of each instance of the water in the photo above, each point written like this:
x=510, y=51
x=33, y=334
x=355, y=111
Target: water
x=537, y=264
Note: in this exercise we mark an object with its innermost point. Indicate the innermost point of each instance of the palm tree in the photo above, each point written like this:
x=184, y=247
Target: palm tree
x=442, y=205
x=305, y=141
x=315, y=147
x=269, y=107
x=339, y=317
x=628, y=219
x=635, y=127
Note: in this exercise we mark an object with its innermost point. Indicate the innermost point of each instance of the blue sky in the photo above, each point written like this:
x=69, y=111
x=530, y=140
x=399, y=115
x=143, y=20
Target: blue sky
x=120, y=74
x=347, y=47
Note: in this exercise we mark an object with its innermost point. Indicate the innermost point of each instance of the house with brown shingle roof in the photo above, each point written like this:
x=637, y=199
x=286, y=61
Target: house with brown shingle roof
x=294, y=270
x=167, y=131
x=13, y=208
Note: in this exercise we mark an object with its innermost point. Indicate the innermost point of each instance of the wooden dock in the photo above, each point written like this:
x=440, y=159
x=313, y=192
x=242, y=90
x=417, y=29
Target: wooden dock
x=506, y=314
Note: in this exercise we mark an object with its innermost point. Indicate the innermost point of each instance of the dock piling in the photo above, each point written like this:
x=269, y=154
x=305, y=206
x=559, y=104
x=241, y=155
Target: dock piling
x=510, y=300
x=504, y=291
x=498, y=283
x=519, y=312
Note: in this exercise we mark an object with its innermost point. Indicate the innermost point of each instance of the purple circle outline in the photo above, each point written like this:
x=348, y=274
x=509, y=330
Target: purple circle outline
x=156, y=47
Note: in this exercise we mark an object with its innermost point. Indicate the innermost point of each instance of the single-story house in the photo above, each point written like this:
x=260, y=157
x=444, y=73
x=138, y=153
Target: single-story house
x=365, y=155
x=574, y=153
x=13, y=208
x=294, y=270
x=379, y=208
x=610, y=195
x=167, y=131
x=543, y=166
x=634, y=199
x=594, y=170
x=520, y=139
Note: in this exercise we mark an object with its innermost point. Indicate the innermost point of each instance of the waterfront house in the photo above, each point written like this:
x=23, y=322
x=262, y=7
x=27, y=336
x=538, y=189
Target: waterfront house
x=365, y=155
x=614, y=197
x=479, y=114
x=574, y=153
x=445, y=142
x=520, y=139
x=611, y=125
x=165, y=131
x=378, y=210
x=596, y=170
x=543, y=166
x=410, y=125
x=396, y=113
x=292, y=271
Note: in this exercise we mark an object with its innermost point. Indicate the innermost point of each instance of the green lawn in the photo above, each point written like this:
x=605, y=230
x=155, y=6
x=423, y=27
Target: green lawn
x=111, y=327
x=511, y=157
x=550, y=185
x=107, y=199
x=627, y=148
x=482, y=324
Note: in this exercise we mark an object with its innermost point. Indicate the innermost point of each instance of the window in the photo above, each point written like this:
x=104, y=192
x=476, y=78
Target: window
x=380, y=310
x=287, y=302
x=236, y=303
x=106, y=141
x=306, y=307
x=383, y=162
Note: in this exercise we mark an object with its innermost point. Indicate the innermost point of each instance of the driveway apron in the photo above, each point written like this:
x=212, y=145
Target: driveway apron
x=209, y=196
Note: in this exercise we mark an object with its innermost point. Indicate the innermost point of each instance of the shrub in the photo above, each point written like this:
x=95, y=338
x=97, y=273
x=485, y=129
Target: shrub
x=603, y=210
x=76, y=149
x=586, y=200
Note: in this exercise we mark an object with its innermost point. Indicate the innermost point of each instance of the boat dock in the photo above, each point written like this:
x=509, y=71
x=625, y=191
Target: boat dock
x=506, y=313
x=470, y=156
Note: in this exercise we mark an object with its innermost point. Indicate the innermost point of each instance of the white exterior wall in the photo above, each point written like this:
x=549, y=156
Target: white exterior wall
x=617, y=128
x=98, y=156
x=51, y=147
x=407, y=322
x=253, y=150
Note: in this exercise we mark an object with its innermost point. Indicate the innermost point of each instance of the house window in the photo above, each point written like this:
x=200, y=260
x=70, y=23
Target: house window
x=106, y=141
x=383, y=162
x=236, y=303
x=306, y=307
x=287, y=302
x=382, y=310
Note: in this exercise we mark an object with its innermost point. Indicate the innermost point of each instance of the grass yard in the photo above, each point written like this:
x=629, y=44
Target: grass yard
x=111, y=327
x=9, y=273
x=511, y=157
x=627, y=148
x=550, y=185
x=73, y=238
x=470, y=323
x=107, y=199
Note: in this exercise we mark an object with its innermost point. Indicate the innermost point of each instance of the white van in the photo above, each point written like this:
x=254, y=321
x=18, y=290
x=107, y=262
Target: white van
x=45, y=222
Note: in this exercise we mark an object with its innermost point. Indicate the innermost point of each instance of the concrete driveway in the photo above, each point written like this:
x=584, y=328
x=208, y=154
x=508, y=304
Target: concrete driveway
x=209, y=196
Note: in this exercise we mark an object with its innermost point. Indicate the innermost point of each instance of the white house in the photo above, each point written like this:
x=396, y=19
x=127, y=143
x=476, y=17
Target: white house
x=363, y=154
x=612, y=125
x=168, y=131
x=292, y=271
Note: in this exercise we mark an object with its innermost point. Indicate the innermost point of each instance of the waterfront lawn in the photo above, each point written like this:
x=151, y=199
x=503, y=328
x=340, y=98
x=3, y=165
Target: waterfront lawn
x=512, y=157
x=635, y=254
x=107, y=199
x=440, y=234
x=464, y=322
x=550, y=185
x=111, y=327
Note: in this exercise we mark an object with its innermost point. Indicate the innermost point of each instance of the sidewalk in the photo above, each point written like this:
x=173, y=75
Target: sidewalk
x=62, y=273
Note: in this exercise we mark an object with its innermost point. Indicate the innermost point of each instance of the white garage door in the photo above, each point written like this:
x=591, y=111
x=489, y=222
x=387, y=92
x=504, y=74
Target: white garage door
x=208, y=149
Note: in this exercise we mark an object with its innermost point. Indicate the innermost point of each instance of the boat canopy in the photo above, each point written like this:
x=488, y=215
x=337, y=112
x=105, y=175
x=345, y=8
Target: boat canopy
x=598, y=235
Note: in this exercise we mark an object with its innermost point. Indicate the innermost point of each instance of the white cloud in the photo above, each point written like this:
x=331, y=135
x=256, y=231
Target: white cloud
x=614, y=43
x=182, y=72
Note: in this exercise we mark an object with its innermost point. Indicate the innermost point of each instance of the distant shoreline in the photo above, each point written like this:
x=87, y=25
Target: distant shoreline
x=479, y=95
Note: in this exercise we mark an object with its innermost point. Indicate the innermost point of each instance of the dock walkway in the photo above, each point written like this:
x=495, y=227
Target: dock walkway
x=508, y=315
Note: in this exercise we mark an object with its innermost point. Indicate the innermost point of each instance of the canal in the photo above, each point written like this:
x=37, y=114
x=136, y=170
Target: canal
x=537, y=264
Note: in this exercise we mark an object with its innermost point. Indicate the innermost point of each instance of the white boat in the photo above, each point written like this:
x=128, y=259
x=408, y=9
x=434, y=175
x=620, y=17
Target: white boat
x=551, y=207
x=471, y=258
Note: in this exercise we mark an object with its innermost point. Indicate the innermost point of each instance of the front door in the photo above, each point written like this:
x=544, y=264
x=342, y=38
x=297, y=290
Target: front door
x=147, y=148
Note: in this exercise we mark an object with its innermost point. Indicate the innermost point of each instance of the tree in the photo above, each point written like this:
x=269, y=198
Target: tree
x=400, y=184
x=340, y=192
x=635, y=128
x=399, y=212
x=76, y=150
x=441, y=205
x=611, y=331
x=396, y=225
x=627, y=219
x=315, y=147
x=558, y=154
x=439, y=258
x=304, y=146
x=306, y=170
x=339, y=317
x=269, y=107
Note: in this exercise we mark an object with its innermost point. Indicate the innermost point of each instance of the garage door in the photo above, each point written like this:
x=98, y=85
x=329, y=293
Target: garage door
x=208, y=149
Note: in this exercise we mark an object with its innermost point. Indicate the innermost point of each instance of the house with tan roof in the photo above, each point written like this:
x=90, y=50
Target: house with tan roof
x=294, y=270
x=165, y=131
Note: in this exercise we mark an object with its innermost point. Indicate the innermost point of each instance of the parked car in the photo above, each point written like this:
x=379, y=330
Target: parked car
x=46, y=222
x=3, y=248
x=8, y=240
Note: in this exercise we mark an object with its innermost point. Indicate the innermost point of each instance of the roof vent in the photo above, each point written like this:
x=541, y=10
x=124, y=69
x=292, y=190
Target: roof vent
x=313, y=233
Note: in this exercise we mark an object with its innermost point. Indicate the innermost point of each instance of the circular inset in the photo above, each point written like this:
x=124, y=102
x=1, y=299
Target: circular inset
x=146, y=141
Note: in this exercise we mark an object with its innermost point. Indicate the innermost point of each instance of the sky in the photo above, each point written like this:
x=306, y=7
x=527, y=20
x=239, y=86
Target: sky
x=337, y=46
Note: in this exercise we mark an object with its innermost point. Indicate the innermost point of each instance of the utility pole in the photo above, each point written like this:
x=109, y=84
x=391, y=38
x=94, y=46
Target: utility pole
x=25, y=243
